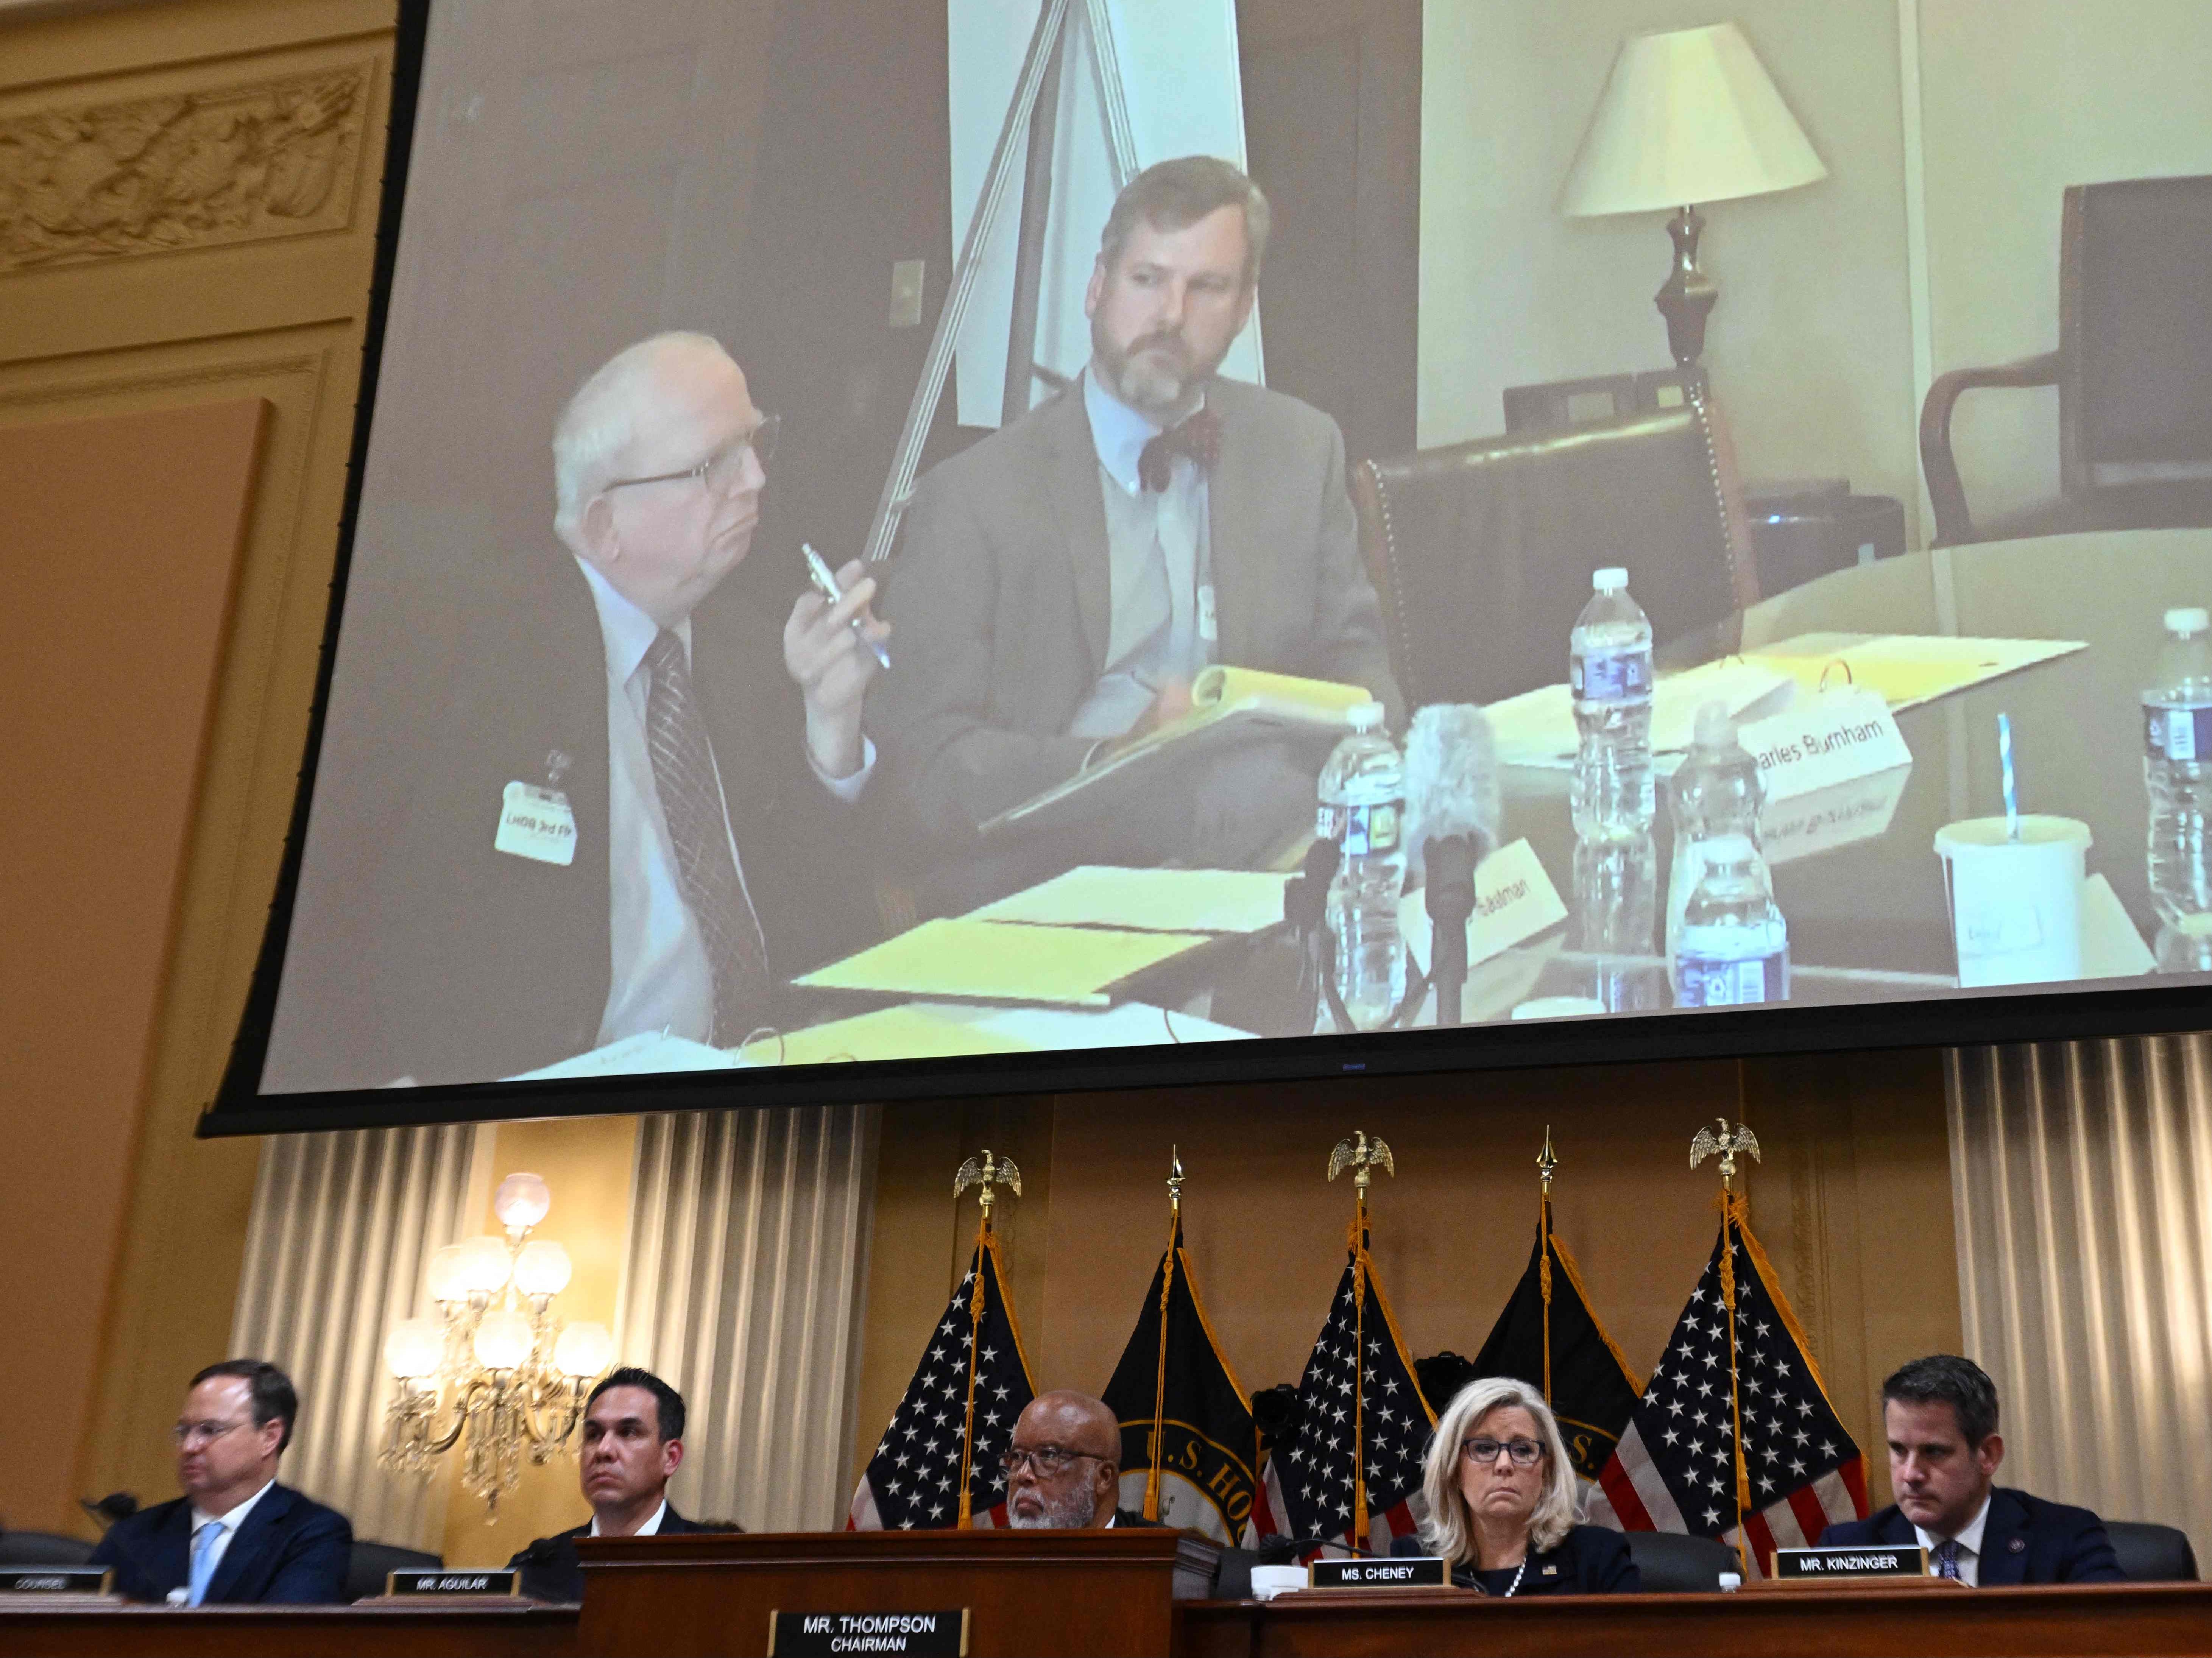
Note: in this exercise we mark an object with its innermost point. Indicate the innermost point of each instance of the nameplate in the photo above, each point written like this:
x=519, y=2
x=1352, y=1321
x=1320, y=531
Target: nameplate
x=1513, y=901
x=1807, y=824
x=54, y=1580
x=924, y=1634
x=1424, y=1571
x=1820, y=741
x=1847, y=1564
x=415, y=1581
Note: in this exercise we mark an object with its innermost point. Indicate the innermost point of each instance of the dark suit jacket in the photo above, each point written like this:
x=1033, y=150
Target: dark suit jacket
x=1130, y=1517
x=288, y=1552
x=462, y=963
x=551, y=1571
x=1589, y=1560
x=2025, y=1540
x=1002, y=600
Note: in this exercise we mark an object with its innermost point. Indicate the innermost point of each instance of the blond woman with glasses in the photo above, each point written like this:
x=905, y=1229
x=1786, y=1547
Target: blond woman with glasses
x=1502, y=1501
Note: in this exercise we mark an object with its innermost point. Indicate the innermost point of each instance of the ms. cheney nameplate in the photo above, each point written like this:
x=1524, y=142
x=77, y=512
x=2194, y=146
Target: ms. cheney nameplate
x=1412, y=1572
x=1844, y=1564
x=920, y=1634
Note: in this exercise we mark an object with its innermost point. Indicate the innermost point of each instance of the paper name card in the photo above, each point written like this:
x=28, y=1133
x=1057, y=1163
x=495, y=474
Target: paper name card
x=419, y=1583
x=1400, y=1572
x=1821, y=741
x=1826, y=819
x=55, y=1580
x=920, y=1634
x=1860, y=1560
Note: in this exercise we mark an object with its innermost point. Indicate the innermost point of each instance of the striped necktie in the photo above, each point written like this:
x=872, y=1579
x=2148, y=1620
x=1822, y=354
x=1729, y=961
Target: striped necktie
x=706, y=868
x=1947, y=1558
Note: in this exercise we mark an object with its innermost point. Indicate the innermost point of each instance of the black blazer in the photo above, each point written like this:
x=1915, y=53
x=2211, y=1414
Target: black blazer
x=551, y=1571
x=1589, y=1560
x=2025, y=1541
x=432, y=954
x=288, y=1552
x=1125, y=1519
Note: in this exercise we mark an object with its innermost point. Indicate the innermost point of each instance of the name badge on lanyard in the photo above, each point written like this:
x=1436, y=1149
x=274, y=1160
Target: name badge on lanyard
x=537, y=824
x=1209, y=624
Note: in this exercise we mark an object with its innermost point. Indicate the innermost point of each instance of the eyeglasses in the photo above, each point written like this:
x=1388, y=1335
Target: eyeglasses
x=202, y=1433
x=1049, y=1459
x=720, y=470
x=1525, y=1453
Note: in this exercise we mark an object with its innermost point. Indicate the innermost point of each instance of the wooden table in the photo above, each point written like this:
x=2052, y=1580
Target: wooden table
x=524, y=1630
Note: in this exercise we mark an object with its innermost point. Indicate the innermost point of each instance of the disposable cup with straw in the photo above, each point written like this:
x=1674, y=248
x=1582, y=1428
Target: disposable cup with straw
x=2014, y=885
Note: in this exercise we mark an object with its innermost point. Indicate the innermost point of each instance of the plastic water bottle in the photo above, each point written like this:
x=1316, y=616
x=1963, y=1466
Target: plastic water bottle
x=2178, y=777
x=1609, y=677
x=1734, y=946
x=1716, y=792
x=1616, y=902
x=1363, y=808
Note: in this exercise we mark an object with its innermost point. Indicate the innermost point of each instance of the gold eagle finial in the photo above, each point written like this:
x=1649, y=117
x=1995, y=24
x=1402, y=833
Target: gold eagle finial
x=1729, y=1146
x=987, y=1173
x=1363, y=1157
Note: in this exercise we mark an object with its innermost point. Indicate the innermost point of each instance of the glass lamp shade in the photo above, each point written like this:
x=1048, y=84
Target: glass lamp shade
x=541, y=1268
x=522, y=1200
x=503, y=1341
x=447, y=1278
x=414, y=1347
x=584, y=1350
x=483, y=1266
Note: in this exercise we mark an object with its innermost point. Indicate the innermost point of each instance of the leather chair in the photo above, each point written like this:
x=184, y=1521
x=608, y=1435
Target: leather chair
x=41, y=1548
x=2133, y=369
x=2152, y=1554
x=1481, y=553
x=1671, y=1562
x=372, y=1563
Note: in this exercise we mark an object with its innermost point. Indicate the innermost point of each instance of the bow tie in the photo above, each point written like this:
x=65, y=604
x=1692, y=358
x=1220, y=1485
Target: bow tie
x=1199, y=437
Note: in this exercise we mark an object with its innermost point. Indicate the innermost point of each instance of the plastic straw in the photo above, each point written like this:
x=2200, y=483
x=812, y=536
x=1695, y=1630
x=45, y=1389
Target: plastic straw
x=2011, y=783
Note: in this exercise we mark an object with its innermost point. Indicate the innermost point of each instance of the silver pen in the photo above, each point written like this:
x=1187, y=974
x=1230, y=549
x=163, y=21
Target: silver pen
x=825, y=583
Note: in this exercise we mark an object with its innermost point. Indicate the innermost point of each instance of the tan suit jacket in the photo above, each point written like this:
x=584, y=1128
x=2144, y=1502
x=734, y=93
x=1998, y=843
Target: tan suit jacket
x=1001, y=601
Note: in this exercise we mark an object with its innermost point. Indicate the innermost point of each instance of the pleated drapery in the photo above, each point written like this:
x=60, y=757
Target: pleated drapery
x=2081, y=1183
x=743, y=1287
x=342, y=1226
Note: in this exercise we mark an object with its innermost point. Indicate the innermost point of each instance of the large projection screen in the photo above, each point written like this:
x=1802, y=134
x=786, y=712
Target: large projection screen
x=601, y=813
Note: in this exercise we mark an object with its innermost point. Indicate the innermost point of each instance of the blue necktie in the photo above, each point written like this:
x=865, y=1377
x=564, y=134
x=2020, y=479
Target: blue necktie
x=1946, y=1559
x=204, y=1542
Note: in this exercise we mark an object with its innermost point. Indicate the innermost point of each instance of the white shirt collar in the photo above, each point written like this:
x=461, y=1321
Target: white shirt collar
x=650, y=1528
x=1969, y=1539
x=232, y=1520
x=626, y=631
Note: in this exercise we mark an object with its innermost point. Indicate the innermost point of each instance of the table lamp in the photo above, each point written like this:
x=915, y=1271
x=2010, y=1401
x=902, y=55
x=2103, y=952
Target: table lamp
x=1686, y=116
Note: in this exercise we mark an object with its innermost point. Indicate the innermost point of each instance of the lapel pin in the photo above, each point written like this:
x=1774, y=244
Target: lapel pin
x=2018, y=1546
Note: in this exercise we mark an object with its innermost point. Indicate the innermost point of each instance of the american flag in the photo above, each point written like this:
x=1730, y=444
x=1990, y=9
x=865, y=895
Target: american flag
x=1677, y=1468
x=913, y=1481
x=1349, y=1469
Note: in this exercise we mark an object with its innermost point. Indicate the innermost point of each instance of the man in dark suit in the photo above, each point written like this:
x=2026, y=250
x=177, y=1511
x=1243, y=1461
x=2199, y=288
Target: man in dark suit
x=235, y=1537
x=1064, y=1466
x=1063, y=581
x=633, y=1442
x=1940, y=1414
x=635, y=814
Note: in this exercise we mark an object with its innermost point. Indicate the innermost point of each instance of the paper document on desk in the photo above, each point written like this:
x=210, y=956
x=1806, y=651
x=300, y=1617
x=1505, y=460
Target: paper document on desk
x=1149, y=900
x=646, y=1054
x=1537, y=728
x=1906, y=669
x=935, y=1030
x=1003, y=962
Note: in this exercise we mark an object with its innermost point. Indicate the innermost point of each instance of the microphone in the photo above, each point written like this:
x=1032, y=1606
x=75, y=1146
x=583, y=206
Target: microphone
x=1451, y=824
x=1276, y=1550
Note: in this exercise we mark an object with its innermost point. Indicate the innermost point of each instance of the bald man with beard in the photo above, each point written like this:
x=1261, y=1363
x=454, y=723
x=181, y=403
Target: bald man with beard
x=1063, y=1467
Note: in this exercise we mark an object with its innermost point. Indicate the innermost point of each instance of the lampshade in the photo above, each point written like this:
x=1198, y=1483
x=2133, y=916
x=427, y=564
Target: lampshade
x=446, y=1276
x=413, y=1348
x=583, y=1349
x=1688, y=116
x=503, y=1340
x=541, y=1268
x=482, y=1265
x=522, y=1200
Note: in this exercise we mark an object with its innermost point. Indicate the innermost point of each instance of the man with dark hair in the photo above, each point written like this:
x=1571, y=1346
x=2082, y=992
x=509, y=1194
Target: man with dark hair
x=1063, y=581
x=1064, y=1466
x=235, y=1537
x=633, y=1442
x=1939, y=1415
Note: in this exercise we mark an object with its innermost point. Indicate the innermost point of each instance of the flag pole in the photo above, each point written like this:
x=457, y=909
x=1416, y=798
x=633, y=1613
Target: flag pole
x=1363, y=1157
x=1728, y=1145
x=1546, y=1163
x=1160, y=1376
x=988, y=1175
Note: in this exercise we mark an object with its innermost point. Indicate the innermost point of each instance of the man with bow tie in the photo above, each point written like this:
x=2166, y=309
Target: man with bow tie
x=1063, y=581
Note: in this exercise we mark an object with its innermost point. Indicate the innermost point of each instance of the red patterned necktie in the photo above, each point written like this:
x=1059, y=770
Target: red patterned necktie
x=1199, y=437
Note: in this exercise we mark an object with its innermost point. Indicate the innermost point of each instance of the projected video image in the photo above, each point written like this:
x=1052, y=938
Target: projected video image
x=953, y=537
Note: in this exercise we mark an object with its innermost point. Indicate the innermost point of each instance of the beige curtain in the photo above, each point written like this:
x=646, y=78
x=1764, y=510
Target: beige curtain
x=343, y=1225
x=2081, y=1179
x=744, y=1287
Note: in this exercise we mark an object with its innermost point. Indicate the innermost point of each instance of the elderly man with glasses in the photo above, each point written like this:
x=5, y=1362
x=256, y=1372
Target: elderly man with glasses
x=235, y=1537
x=634, y=817
x=1064, y=1466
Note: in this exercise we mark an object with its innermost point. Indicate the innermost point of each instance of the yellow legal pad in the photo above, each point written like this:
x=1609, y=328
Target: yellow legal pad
x=1149, y=900
x=890, y=1033
x=1003, y=962
x=1905, y=669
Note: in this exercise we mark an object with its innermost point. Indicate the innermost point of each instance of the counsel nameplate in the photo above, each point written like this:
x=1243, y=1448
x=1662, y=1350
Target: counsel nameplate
x=919, y=1634
x=1412, y=1571
x=54, y=1580
x=1860, y=1560
x=507, y=1580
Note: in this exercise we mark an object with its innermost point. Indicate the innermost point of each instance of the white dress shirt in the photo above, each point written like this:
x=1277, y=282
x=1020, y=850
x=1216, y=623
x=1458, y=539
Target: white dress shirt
x=650, y=1528
x=660, y=979
x=219, y=1546
x=1969, y=1540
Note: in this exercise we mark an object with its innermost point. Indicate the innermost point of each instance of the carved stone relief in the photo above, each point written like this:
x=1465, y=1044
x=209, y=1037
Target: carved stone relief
x=268, y=158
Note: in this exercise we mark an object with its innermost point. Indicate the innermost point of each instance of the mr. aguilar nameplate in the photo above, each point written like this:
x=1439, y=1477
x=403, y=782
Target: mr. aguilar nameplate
x=507, y=1580
x=54, y=1580
x=920, y=1634
x=1412, y=1572
x=1848, y=1564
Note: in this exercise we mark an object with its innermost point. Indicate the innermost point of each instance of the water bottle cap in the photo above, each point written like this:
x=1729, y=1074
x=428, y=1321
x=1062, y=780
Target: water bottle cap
x=1366, y=717
x=1716, y=726
x=2187, y=619
x=1611, y=580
